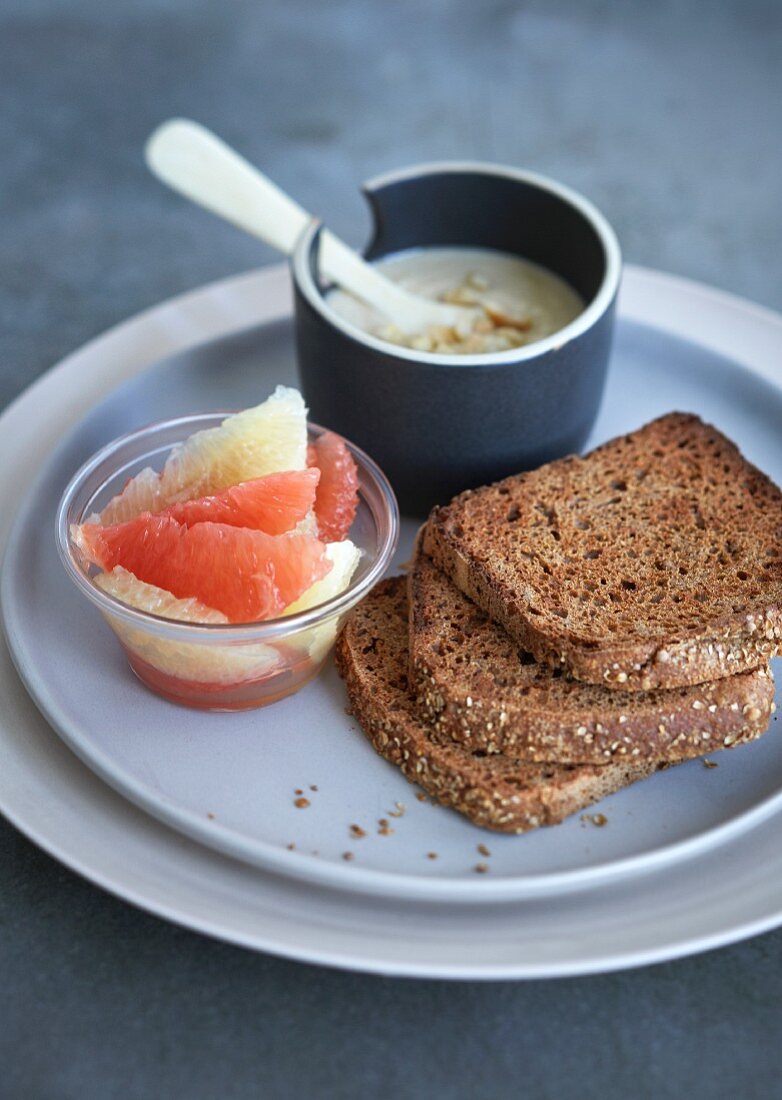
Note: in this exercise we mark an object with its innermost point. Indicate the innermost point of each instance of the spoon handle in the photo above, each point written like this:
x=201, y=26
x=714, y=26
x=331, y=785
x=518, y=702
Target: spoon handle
x=196, y=163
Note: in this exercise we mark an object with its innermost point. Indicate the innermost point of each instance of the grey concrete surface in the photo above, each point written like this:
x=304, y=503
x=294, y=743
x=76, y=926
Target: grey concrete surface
x=667, y=115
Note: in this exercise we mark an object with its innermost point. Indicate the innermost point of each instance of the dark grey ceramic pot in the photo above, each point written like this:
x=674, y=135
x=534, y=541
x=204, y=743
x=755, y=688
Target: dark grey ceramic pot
x=435, y=423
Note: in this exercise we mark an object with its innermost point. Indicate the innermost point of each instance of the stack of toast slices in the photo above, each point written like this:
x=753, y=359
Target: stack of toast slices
x=568, y=631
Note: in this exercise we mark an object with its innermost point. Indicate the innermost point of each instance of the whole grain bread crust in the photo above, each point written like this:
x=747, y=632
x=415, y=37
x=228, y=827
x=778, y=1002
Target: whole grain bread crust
x=653, y=562
x=495, y=792
x=477, y=689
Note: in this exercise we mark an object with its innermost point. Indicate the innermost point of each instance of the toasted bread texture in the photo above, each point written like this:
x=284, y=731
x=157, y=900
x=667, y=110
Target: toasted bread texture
x=653, y=562
x=493, y=791
x=478, y=689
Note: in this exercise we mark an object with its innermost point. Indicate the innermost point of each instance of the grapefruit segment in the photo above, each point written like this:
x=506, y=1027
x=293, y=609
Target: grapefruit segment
x=318, y=639
x=344, y=557
x=336, y=500
x=212, y=666
x=157, y=601
x=274, y=504
x=265, y=439
x=247, y=575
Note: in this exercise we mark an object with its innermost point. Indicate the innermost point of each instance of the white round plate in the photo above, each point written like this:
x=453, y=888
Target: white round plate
x=683, y=907
x=231, y=780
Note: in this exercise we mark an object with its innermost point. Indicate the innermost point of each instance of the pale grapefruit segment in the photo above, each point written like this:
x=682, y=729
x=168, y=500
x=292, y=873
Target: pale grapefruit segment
x=247, y=575
x=344, y=557
x=208, y=664
x=318, y=639
x=268, y=438
x=124, y=586
x=336, y=500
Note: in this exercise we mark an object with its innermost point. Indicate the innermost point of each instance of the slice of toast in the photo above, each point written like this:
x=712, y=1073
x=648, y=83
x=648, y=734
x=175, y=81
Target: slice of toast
x=653, y=562
x=478, y=689
x=496, y=792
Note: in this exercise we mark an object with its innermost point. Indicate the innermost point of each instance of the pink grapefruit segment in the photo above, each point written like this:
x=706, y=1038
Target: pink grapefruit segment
x=247, y=575
x=274, y=504
x=336, y=500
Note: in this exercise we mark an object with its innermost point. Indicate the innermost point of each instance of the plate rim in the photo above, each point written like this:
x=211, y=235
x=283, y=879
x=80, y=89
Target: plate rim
x=637, y=283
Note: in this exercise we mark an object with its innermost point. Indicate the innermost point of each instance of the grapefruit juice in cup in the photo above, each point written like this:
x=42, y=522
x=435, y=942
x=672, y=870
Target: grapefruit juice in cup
x=225, y=550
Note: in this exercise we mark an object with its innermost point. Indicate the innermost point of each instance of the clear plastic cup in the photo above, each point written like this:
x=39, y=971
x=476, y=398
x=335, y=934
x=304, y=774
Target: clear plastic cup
x=222, y=666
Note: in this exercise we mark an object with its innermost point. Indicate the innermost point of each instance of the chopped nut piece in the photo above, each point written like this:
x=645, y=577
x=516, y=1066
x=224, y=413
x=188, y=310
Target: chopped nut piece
x=347, y=856
x=710, y=764
x=484, y=851
x=357, y=831
x=481, y=868
x=399, y=811
x=431, y=855
x=504, y=320
x=421, y=797
x=301, y=803
x=595, y=819
x=489, y=327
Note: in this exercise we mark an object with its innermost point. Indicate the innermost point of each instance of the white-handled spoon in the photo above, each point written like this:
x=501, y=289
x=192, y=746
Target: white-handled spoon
x=195, y=162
